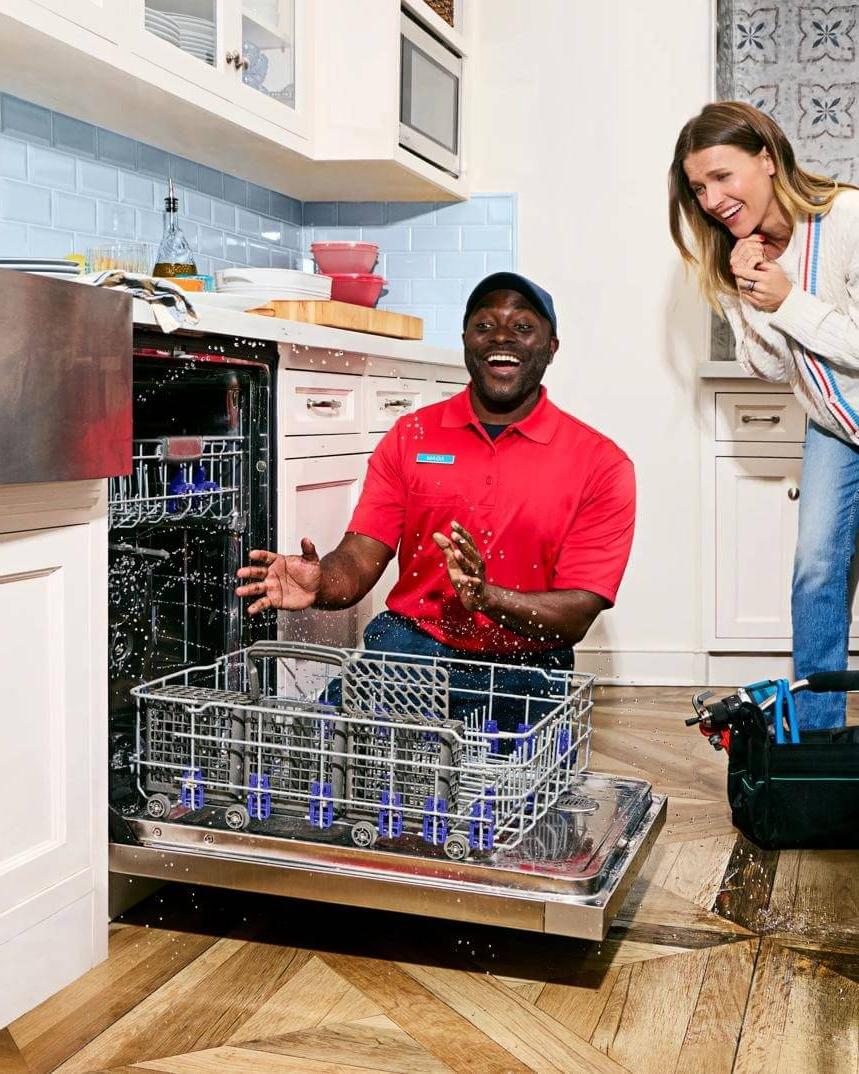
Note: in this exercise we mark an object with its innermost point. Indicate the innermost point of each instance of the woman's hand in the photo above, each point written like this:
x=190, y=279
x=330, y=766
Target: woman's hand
x=747, y=255
x=765, y=288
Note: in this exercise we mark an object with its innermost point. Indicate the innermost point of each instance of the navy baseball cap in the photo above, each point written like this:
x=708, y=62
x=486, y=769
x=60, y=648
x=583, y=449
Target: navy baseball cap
x=511, y=281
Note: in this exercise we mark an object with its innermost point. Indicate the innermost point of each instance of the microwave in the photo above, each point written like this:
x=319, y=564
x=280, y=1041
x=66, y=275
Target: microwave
x=430, y=97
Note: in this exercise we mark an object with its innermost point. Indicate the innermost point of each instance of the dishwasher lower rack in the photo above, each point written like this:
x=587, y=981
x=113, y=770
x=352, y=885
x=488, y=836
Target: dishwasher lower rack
x=391, y=746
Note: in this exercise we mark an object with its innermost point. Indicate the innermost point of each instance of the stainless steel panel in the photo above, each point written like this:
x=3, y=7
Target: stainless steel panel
x=569, y=879
x=65, y=380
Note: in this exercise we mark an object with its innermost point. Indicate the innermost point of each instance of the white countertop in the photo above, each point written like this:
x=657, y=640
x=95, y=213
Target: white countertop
x=723, y=371
x=252, y=326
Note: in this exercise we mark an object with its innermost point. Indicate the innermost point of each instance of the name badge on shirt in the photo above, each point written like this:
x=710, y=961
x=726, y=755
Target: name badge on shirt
x=443, y=460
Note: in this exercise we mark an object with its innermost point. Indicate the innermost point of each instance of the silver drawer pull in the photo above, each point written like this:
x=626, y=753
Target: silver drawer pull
x=324, y=404
x=397, y=404
x=793, y=493
x=773, y=419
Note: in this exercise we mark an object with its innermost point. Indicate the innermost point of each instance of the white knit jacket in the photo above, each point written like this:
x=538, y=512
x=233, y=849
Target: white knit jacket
x=812, y=341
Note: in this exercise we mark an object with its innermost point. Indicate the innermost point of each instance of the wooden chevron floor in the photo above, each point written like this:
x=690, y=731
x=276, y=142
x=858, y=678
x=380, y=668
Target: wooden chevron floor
x=723, y=959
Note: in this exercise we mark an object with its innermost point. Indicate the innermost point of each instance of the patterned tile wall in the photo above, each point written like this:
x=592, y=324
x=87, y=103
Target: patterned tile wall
x=797, y=62
x=66, y=185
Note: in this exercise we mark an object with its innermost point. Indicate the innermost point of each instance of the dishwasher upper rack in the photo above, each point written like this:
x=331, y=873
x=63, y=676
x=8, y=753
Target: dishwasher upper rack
x=364, y=738
x=177, y=478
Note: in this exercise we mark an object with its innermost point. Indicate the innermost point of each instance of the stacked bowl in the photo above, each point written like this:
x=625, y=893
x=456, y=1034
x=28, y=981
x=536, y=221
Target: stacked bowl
x=349, y=267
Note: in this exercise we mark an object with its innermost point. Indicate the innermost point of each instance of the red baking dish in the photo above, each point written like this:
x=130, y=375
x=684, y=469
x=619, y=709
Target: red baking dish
x=356, y=287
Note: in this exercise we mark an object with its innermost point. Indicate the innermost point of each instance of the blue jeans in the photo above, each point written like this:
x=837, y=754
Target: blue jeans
x=470, y=682
x=821, y=592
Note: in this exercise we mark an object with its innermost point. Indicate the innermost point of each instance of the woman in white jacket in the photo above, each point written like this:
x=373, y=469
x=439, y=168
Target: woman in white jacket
x=776, y=249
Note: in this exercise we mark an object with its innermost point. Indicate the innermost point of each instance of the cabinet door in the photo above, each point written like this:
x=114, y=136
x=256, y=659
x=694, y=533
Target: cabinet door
x=186, y=39
x=757, y=510
x=318, y=497
x=99, y=16
x=53, y=863
x=273, y=79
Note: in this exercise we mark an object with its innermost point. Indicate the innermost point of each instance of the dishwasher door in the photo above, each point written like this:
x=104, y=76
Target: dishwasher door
x=568, y=876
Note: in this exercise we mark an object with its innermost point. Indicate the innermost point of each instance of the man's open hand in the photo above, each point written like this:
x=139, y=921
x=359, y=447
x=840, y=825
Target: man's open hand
x=290, y=582
x=464, y=566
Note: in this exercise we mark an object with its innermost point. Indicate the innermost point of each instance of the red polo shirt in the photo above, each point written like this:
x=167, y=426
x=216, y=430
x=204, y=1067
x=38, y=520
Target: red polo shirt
x=550, y=504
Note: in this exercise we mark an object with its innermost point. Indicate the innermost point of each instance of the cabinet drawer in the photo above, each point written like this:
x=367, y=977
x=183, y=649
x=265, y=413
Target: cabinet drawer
x=770, y=417
x=320, y=403
x=444, y=389
x=388, y=398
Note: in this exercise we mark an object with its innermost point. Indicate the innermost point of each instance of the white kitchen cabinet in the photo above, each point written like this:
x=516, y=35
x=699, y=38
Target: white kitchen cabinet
x=757, y=504
x=246, y=51
x=753, y=435
x=102, y=17
x=53, y=700
x=297, y=96
x=318, y=496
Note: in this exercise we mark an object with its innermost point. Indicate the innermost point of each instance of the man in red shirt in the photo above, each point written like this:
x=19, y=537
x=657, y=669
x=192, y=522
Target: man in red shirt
x=512, y=520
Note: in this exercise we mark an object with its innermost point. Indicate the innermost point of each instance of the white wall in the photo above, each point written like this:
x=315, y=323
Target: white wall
x=576, y=108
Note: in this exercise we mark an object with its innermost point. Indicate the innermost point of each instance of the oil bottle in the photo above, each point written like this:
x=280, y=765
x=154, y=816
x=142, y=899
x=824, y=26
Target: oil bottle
x=174, y=257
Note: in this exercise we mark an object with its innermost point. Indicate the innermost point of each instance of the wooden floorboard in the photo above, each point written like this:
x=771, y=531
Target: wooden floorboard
x=724, y=959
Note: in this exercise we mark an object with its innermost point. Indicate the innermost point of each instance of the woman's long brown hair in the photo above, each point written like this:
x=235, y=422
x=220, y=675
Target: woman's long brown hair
x=796, y=190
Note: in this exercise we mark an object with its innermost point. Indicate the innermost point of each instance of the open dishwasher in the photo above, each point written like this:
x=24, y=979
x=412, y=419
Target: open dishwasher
x=442, y=788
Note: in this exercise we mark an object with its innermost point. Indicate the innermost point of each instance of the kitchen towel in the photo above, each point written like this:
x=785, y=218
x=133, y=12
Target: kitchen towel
x=170, y=304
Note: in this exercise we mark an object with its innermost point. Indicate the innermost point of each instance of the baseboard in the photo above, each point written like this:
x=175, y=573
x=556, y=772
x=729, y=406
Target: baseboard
x=640, y=667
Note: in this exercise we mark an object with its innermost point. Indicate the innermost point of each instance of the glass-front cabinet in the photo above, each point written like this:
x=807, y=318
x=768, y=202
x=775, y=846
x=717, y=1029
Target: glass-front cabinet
x=243, y=50
x=268, y=48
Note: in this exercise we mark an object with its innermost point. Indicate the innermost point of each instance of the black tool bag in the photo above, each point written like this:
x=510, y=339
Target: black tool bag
x=794, y=794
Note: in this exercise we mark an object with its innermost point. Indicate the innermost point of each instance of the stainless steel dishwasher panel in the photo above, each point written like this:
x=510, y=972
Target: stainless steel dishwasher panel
x=570, y=879
x=65, y=380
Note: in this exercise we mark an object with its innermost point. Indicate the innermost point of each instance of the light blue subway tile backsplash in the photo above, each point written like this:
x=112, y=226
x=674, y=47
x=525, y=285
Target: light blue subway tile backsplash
x=491, y=237
x=247, y=223
x=460, y=266
x=73, y=212
x=198, y=207
x=259, y=199
x=13, y=159
x=49, y=242
x=28, y=204
x=409, y=266
x=117, y=149
x=436, y=292
x=97, y=179
x=436, y=238
x=211, y=182
x=413, y=213
x=74, y=135
x=50, y=169
x=13, y=240
x=136, y=190
x=235, y=190
x=66, y=186
x=116, y=221
x=24, y=120
x=361, y=213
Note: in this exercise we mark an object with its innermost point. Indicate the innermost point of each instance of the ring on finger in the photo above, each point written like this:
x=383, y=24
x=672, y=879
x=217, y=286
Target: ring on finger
x=750, y=286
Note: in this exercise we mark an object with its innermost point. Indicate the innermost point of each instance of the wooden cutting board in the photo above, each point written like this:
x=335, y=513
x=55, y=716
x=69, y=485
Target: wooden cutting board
x=346, y=315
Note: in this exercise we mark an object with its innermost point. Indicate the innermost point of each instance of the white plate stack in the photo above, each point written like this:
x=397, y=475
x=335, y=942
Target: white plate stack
x=260, y=285
x=196, y=36
x=162, y=25
x=44, y=266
